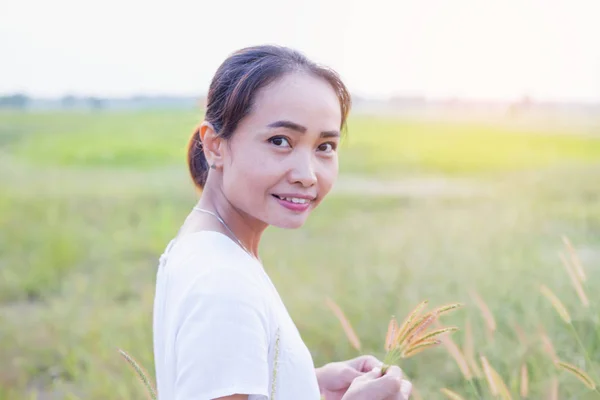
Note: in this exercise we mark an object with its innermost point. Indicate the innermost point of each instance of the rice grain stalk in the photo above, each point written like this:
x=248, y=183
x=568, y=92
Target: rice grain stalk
x=469, y=350
x=485, y=312
x=547, y=344
x=556, y=303
x=553, y=392
x=451, y=395
x=503, y=389
x=415, y=394
x=575, y=259
x=408, y=321
x=391, y=332
x=417, y=348
x=462, y=363
x=411, y=337
x=348, y=330
x=489, y=376
x=577, y=275
x=142, y=374
x=562, y=311
x=447, y=308
x=575, y=281
x=421, y=325
x=520, y=334
x=412, y=333
x=578, y=373
x=458, y=356
x=434, y=334
x=524, y=381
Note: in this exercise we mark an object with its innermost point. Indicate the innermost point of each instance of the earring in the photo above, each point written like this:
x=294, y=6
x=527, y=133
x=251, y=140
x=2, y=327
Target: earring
x=213, y=166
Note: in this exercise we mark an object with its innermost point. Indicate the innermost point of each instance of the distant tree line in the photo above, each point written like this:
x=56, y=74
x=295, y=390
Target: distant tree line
x=21, y=101
x=17, y=100
x=70, y=101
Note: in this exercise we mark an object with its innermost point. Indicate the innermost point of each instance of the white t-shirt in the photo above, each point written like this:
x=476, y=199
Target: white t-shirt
x=218, y=324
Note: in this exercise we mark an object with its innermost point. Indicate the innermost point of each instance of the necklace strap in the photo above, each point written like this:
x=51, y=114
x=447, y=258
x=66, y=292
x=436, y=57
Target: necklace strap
x=225, y=225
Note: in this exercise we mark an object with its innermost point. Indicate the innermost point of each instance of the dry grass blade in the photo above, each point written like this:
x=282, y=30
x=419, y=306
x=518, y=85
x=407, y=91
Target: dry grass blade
x=469, y=349
x=391, y=333
x=575, y=281
x=451, y=395
x=575, y=260
x=524, y=381
x=485, y=311
x=474, y=367
x=553, y=393
x=556, y=303
x=489, y=376
x=579, y=374
x=151, y=391
x=469, y=346
x=407, y=323
x=348, y=330
x=415, y=394
x=447, y=308
x=416, y=349
x=434, y=334
x=547, y=345
x=421, y=325
x=458, y=356
x=520, y=334
x=502, y=388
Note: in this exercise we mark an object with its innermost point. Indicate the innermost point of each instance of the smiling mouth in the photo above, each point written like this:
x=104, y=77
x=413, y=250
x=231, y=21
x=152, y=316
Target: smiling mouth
x=295, y=200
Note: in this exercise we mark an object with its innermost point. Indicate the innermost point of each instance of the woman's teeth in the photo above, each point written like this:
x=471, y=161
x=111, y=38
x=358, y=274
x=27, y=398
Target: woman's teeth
x=295, y=200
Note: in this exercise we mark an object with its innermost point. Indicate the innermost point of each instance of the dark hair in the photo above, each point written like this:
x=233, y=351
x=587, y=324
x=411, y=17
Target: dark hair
x=234, y=86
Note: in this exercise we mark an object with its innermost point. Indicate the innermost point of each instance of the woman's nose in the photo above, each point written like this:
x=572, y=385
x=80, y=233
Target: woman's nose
x=303, y=170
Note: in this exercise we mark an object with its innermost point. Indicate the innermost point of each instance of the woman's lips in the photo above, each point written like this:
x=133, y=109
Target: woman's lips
x=298, y=203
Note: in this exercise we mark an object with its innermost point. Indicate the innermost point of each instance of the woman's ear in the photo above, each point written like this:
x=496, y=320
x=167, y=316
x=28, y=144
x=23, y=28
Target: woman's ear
x=211, y=144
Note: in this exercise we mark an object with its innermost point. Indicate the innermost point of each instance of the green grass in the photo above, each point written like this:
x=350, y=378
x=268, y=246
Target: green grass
x=383, y=146
x=89, y=201
x=378, y=145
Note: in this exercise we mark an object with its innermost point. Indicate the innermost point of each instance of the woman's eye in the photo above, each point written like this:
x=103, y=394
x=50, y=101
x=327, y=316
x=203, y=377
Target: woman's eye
x=280, y=141
x=327, y=147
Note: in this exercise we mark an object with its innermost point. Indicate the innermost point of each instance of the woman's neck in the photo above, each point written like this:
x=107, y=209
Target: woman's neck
x=246, y=229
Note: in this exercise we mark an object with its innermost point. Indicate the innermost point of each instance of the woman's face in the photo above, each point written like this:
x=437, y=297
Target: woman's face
x=282, y=159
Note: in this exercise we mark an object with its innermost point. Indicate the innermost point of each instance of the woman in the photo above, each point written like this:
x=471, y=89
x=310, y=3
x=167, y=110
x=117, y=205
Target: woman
x=266, y=154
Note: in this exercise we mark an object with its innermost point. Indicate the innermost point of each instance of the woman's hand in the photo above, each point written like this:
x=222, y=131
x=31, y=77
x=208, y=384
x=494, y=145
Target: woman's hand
x=335, y=378
x=374, y=386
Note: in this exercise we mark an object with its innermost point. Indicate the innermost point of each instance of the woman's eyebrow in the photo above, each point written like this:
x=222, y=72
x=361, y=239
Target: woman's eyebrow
x=299, y=128
x=289, y=125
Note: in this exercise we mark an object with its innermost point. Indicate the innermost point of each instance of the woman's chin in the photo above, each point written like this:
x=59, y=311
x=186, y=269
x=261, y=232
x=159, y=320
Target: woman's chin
x=290, y=223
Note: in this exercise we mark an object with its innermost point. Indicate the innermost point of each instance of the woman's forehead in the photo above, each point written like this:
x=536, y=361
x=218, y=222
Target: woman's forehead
x=300, y=98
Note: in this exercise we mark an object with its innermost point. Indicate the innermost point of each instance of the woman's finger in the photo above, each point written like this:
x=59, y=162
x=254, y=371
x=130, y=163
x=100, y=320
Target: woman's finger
x=371, y=375
x=394, y=372
x=369, y=362
x=405, y=389
x=365, y=363
x=385, y=387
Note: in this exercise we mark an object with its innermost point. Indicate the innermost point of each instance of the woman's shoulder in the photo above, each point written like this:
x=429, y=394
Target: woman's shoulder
x=209, y=262
x=196, y=242
x=206, y=271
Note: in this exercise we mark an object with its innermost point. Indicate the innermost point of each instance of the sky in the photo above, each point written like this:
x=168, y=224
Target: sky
x=501, y=49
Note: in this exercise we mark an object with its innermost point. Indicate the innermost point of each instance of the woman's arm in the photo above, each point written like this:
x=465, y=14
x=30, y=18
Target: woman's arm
x=234, y=397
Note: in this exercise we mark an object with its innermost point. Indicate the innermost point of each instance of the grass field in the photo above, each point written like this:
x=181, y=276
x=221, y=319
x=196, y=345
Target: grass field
x=88, y=202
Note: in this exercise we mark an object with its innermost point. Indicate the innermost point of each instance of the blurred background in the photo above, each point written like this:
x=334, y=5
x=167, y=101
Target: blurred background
x=470, y=173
